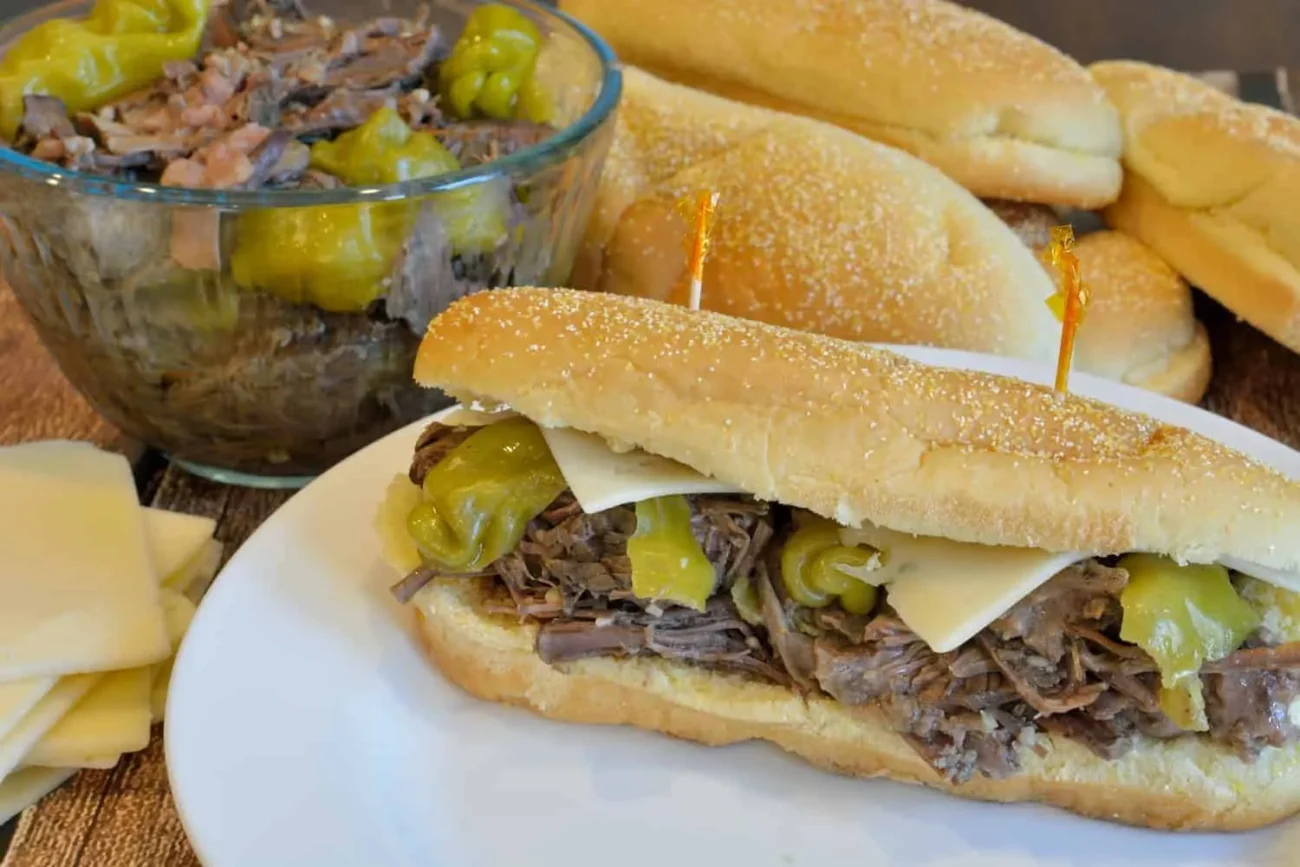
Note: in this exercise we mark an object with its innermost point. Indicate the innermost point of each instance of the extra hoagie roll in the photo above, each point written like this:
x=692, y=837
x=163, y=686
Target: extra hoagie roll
x=824, y=231
x=1004, y=114
x=953, y=671
x=1212, y=185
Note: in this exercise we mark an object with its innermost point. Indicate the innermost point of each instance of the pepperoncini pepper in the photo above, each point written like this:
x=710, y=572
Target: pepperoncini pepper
x=477, y=501
x=1184, y=617
x=338, y=257
x=816, y=569
x=667, y=560
x=120, y=47
x=490, y=70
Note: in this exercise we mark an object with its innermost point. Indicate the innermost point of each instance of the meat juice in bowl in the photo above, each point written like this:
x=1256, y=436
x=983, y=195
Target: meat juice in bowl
x=231, y=226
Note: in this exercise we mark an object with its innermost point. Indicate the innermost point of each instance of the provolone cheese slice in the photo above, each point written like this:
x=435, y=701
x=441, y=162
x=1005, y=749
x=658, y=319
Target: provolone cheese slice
x=41, y=718
x=180, y=612
x=175, y=541
x=947, y=591
x=602, y=478
x=19, y=697
x=197, y=576
x=25, y=787
x=1285, y=580
x=77, y=582
x=113, y=718
x=98, y=763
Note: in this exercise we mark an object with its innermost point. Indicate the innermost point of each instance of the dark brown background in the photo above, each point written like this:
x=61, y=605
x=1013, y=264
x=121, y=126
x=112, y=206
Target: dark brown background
x=1187, y=34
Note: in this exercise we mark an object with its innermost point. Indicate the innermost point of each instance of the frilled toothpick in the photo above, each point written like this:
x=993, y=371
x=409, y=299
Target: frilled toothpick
x=700, y=210
x=1070, y=301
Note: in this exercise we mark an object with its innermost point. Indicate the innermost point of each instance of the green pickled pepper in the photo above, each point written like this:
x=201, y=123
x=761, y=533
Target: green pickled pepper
x=478, y=500
x=667, y=560
x=490, y=69
x=120, y=47
x=817, y=569
x=339, y=257
x=383, y=150
x=1183, y=617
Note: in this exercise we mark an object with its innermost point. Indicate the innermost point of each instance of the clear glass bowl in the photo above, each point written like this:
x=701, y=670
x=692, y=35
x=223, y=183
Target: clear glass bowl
x=239, y=385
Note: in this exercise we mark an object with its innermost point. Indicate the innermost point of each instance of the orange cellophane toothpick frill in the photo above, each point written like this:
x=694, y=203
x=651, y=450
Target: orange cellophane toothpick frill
x=1070, y=302
x=699, y=210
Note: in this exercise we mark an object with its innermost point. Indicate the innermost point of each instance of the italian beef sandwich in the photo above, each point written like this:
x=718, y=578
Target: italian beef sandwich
x=725, y=530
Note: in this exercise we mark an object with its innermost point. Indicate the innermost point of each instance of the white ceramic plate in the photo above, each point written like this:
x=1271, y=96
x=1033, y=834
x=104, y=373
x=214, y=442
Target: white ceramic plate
x=305, y=727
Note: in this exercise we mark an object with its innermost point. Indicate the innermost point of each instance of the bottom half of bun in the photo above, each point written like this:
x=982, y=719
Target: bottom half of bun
x=1222, y=255
x=1184, y=784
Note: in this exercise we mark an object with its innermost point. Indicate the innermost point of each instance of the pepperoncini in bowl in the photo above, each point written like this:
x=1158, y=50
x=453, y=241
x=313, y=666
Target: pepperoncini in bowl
x=259, y=307
x=817, y=569
x=120, y=47
x=490, y=70
x=477, y=501
x=339, y=258
x=1183, y=617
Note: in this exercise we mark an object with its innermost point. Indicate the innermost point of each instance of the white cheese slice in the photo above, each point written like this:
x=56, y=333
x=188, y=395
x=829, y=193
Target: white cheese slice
x=20, y=696
x=197, y=575
x=1285, y=580
x=98, y=763
x=176, y=540
x=947, y=591
x=79, y=589
x=602, y=478
x=25, y=787
x=113, y=718
x=180, y=612
x=41, y=718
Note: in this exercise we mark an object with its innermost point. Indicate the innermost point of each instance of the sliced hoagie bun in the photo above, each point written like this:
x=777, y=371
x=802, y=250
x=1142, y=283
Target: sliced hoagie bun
x=825, y=231
x=1213, y=185
x=1001, y=112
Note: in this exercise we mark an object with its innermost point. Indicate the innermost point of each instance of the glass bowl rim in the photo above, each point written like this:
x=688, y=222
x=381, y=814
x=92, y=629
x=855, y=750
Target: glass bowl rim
x=522, y=162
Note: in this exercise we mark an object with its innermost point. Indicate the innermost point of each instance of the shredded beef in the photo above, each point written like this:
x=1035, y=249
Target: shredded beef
x=1053, y=662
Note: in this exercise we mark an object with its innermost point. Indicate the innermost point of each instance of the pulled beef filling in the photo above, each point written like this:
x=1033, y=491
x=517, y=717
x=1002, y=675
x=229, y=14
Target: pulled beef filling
x=1052, y=663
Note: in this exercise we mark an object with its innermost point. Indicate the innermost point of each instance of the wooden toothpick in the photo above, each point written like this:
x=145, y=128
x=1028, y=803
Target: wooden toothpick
x=703, y=209
x=1070, y=301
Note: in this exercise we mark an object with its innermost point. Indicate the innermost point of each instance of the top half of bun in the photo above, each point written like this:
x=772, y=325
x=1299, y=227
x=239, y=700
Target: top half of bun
x=998, y=110
x=817, y=228
x=856, y=433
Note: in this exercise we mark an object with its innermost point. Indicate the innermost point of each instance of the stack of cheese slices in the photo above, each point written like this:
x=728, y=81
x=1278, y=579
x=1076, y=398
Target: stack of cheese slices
x=96, y=592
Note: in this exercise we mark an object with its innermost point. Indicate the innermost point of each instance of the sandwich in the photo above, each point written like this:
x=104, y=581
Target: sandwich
x=823, y=230
x=724, y=531
x=1212, y=184
x=1001, y=112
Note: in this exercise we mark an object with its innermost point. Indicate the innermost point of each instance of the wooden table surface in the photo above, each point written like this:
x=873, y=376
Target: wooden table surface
x=124, y=817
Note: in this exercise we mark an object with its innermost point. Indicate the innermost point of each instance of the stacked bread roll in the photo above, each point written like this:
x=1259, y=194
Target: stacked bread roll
x=884, y=234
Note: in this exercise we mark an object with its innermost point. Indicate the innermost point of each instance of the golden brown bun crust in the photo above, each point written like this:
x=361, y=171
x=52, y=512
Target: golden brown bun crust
x=1184, y=784
x=1001, y=112
x=1212, y=185
x=855, y=433
x=861, y=241
x=1140, y=328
